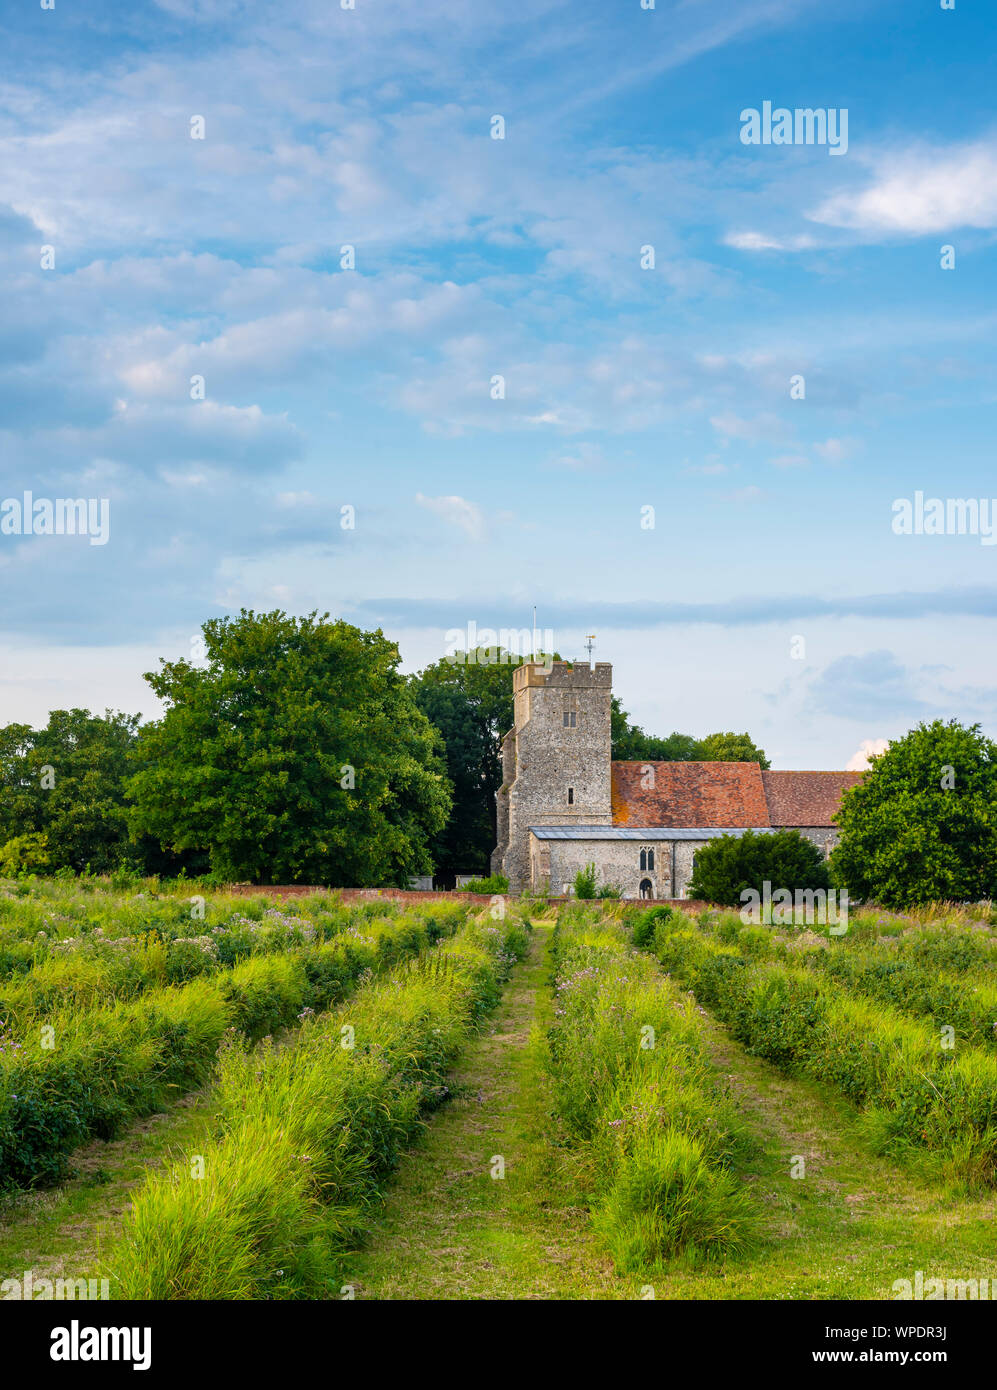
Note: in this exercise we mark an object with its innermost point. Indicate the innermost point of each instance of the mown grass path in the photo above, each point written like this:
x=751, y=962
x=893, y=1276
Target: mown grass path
x=847, y=1229
x=853, y=1223
x=449, y=1230
x=55, y=1231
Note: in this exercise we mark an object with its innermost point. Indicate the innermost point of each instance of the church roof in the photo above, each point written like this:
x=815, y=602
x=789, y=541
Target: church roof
x=648, y=833
x=726, y=796
x=805, y=798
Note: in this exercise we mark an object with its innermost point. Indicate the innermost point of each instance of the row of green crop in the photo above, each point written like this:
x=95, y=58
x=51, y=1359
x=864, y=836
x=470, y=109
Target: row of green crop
x=96, y=969
x=87, y=1072
x=916, y=1093
x=927, y=974
x=634, y=1088
x=308, y=1134
x=35, y=929
x=950, y=945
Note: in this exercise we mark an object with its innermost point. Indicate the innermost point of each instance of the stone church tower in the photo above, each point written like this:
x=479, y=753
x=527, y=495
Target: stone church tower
x=555, y=760
x=564, y=804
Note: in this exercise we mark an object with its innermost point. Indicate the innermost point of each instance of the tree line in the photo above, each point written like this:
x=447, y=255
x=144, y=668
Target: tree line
x=294, y=751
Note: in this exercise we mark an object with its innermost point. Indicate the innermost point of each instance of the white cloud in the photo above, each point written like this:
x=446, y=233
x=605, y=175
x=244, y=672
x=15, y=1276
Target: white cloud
x=919, y=192
x=458, y=511
x=762, y=241
x=859, y=760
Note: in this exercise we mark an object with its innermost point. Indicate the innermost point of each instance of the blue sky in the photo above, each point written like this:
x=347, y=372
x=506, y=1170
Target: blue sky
x=624, y=387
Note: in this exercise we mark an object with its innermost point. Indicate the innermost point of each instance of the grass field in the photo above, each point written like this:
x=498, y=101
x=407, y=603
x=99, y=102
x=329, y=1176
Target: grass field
x=379, y=1101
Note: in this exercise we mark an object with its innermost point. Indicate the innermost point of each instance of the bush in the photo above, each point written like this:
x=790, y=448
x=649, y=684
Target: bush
x=646, y=924
x=585, y=882
x=494, y=883
x=733, y=864
x=24, y=854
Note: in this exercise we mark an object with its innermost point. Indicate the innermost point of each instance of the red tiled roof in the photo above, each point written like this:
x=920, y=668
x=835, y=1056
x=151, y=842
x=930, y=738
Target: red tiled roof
x=806, y=798
x=724, y=796
x=727, y=796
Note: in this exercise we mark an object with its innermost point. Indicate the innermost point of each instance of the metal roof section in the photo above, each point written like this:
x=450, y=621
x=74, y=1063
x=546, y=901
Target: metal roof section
x=630, y=832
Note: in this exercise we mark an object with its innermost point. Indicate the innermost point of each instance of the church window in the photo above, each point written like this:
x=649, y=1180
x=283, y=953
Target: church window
x=647, y=860
x=569, y=718
x=571, y=796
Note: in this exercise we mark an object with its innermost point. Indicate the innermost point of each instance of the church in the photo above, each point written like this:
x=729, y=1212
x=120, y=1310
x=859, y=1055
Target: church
x=564, y=803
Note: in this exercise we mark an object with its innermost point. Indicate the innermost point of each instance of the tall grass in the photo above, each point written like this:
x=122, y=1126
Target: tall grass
x=308, y=1133
x=917, y=1094
x=75, y=1073
x=635, y=1092
x=943, y=972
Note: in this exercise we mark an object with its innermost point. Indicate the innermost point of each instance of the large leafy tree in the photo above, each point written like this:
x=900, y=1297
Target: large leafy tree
x=66, y=781
x=921, y=826
x=471, y=704
x=732, y=864
x=296, y=754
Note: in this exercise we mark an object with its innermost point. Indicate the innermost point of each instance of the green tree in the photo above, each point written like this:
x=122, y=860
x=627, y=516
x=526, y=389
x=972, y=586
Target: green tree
x=471, y=704
x=631, y=744
x=730, y=748
x=730, y=864
x=296, y=754
x=921, y=826
x=66, y=781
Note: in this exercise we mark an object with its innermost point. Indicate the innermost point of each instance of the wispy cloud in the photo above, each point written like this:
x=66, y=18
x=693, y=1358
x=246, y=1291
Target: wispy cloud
x=457, y=511
x=973, y=602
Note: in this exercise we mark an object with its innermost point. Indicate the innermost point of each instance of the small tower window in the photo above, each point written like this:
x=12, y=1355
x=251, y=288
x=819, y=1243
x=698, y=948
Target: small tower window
x=571, y=796
x=569, y=718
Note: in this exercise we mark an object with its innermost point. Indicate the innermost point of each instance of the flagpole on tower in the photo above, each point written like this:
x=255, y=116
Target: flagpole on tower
x=589, y=644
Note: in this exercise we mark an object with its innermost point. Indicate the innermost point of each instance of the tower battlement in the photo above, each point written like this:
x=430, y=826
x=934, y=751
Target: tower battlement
x=564, y=674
